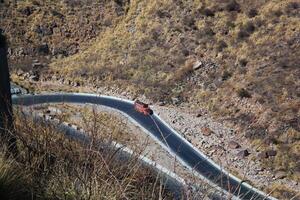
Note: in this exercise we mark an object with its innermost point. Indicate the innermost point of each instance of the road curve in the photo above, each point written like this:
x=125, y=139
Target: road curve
x=163, y=133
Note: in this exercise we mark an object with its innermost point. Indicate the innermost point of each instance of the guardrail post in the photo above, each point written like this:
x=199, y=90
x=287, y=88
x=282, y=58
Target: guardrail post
x=6, y=114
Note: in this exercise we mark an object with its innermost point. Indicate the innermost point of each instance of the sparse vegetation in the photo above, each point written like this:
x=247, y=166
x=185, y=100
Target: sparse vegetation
x=249, y=49
x=52, y=166
x=243, y=93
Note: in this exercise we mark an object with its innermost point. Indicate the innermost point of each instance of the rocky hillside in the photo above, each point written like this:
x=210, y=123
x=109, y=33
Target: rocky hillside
x=237, y=58
x=53, y=29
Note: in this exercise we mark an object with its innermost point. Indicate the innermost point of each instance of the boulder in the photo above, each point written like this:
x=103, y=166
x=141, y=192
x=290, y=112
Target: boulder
x=76, y=84
x=27, y=11
x=206, y=131
x=44, y=30
x=43, y=49
x=243, y=153
x=233, y=145
x=34, y=78
x=37, y=65
x=67, y=82
x=54, y=110
x=262, y=155
x=57, y=14
x=161, y=103
x=175, y=100
x=197, y=65
x=271, y=152
x=20, y=72
x=199, y=115
x=280, y=175
x=9, y=51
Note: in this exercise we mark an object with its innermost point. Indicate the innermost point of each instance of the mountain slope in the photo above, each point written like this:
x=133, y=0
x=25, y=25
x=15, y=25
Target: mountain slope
x=246, y=51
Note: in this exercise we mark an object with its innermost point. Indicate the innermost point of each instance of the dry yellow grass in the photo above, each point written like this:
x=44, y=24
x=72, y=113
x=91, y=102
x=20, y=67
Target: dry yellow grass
x=51, y=166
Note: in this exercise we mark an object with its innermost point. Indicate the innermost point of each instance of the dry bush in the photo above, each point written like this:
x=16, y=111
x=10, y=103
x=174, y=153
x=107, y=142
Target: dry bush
x=283, y=192
x=243, y=93
x=58, y=167
x=184, y=71
x=14, y=183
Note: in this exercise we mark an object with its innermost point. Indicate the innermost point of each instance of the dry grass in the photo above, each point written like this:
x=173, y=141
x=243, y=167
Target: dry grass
x=283, y=192
x=52, y=166
x=13, y=180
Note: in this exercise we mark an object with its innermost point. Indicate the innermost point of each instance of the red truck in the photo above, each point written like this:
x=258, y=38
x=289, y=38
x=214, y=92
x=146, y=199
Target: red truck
x=142, y=108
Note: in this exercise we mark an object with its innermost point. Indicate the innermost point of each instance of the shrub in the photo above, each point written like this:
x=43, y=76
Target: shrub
x=207, y=12
x=252, y=13
x=189, y=21
x=243, y=93
x=246, y=30
x=249, y=27
x=13, y=184
x=292, y=8
x=163, y=14
x=185, y=70
x=233, y=6
x=242, y=62
x=277, y=13
x=242, y=34
x=59, y=167
x=221, y=45
x=293, y=5
x=226, y=75
x=207, y=31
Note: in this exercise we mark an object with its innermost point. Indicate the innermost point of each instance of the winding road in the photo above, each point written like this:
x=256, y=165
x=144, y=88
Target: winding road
x=163, y=133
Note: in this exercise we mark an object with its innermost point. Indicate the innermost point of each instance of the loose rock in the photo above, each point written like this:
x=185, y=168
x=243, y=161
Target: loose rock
x=206, y=131
x=271, y=153
x=197, y=65
x=244, y=153
x=262, y=155
x=34, y=78
x=233, y=145
x=20, y=72
x=280, y=175
x=199, y=115
x=43, y=49
x=175, y=100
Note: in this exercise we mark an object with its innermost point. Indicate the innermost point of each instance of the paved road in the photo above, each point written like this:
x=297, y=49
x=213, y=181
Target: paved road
x=188, y=154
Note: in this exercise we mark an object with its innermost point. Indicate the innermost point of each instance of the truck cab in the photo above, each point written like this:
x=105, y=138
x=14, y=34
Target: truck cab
x=142, y=108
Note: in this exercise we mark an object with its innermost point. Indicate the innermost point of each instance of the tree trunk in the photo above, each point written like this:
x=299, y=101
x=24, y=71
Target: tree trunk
x=6, y=115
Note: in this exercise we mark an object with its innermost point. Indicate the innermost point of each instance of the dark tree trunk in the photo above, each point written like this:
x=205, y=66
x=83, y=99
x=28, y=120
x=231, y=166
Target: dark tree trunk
x=6, y=115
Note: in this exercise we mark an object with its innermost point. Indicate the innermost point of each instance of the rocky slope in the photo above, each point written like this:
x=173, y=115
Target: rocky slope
x=237, y=58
